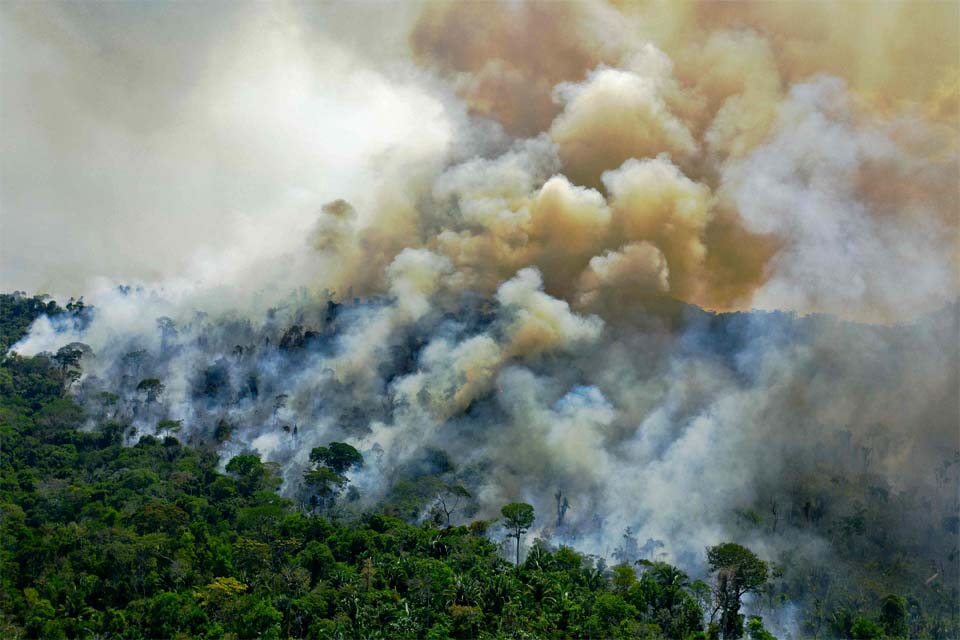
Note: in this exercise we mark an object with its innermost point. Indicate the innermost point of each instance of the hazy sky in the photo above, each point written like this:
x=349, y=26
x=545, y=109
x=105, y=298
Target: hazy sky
x=139, y=136
x=798, y=156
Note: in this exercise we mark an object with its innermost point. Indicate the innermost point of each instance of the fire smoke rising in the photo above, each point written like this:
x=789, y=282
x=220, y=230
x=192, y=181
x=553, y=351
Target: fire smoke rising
x=500, y=229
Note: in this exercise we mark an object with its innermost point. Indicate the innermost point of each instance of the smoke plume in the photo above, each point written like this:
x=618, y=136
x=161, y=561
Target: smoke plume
x=503, y=234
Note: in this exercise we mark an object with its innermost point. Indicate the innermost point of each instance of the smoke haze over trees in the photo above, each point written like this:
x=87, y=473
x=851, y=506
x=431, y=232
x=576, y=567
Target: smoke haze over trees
x=673, y=276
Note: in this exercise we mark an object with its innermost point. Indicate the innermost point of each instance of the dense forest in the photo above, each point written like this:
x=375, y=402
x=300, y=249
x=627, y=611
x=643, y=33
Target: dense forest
x=106, y=538
x=489, y=319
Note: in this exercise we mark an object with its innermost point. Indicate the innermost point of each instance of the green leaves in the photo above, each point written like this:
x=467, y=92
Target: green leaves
x=738, y=572
x=326, y=480
x=151, y=541
x=252, y=475
x=338, y=456
x=517, y=516
x=17, y=313
x=151, y=388
x=745, y=569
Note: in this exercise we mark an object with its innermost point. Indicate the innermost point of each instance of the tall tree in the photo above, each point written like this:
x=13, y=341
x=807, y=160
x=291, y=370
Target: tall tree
x=152, y=387
x=338, y=456
x=517, y=516
x=68, y=360
x=739, y=571
x=327, y=478
x=324, y=485
x=893, y=616
x=251, y=474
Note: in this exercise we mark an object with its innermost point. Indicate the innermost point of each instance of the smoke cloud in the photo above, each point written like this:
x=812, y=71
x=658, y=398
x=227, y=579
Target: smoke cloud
x=502, y=234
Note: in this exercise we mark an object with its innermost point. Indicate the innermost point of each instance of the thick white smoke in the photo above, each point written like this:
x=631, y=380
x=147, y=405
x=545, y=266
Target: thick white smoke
x=442, y=241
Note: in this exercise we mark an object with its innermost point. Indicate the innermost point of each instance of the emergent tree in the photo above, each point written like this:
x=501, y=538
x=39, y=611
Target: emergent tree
x=517, y=516
x=739, y=572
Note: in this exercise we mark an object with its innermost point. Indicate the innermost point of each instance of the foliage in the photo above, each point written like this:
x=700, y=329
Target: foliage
x=17, y=313
x=99, y=539
x=326, y=479
x=738, y=572
x=517, y=518
x=151, y=541
x=338, y=456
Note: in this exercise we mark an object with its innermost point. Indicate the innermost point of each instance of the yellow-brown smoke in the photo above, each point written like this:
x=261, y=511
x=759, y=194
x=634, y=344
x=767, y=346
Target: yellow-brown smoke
x=651, y=116
x=507, y=57
x=793, y=155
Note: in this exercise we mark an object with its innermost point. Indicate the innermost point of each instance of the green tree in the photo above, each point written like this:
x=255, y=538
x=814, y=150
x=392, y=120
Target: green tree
x=338, y=456
x=756, y=630
x=326, y=479
x=169, y=426
x=151, y=387
x=17, y=313
x=866, y=629
x=324, y=485
x=624, y=577
x=68, y=360
x=893, y=616
x=251, y=474
x=517, y=517
x=738, y=572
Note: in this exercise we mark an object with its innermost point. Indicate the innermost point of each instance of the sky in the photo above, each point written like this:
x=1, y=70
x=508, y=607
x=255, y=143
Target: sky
x=799, y=156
